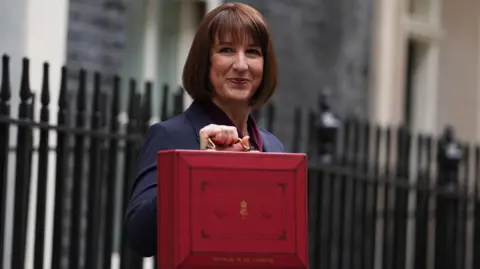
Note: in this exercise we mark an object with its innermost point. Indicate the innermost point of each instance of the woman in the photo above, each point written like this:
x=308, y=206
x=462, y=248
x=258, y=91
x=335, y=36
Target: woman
x=231, y=68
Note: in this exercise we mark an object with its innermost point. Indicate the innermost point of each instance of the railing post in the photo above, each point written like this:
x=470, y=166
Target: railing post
x=43, y=156
x=178, y=101
x=325, y=190
x=449, y=156
x=95, y=182
x=22, y=176
x=60, y=173
x=388, y=190
x=367, y=196
x=371, y=230
x=5, y=95
x=146, y=108
x=326, y=130
x=164, y=108
x=404, y=140
x=476, y=214
x=358, y=189
x=112, y=176
x=74, y=259
x=128, y=259
x=422, y=202
x=463, y=203
x=312, y=134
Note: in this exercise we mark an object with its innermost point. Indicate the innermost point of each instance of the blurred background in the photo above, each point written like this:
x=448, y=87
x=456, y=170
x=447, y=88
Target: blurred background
x=384, y=96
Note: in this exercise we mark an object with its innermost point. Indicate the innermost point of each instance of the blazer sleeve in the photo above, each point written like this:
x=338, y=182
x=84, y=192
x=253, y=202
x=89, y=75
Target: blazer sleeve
x=141, y=213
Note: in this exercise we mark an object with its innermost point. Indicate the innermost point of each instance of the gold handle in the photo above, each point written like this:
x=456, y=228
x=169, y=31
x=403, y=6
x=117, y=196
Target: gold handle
x=211, y=145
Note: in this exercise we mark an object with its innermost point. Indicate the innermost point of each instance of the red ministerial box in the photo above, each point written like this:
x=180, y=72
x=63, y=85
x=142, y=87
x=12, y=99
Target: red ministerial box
x=232, y=210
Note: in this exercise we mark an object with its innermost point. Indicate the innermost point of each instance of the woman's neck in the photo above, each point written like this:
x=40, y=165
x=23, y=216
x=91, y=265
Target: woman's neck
x=237, y=113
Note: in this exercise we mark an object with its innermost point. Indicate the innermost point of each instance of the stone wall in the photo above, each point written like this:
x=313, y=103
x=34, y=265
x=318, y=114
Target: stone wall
x=96, y=35
x=96, y=40
x=321, y=45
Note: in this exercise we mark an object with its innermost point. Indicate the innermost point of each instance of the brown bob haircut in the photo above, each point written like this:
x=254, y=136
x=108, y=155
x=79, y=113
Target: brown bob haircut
x=238, y=21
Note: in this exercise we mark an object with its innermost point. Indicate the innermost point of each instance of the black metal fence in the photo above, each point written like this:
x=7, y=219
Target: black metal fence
x=391, y=199
x=93, y=154
x=379, y=197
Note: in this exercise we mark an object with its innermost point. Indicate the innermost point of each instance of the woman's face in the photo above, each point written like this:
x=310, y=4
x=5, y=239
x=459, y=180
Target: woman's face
x=236, y=69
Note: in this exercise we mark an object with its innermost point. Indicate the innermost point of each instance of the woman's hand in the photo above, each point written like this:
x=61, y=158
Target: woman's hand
x=225, y=138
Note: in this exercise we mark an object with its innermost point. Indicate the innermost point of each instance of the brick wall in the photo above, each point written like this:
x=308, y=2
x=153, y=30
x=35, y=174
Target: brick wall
x=96, y=34
x=96, y=39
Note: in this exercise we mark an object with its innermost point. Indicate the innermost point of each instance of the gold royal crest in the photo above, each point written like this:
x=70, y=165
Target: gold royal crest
x=243, y=209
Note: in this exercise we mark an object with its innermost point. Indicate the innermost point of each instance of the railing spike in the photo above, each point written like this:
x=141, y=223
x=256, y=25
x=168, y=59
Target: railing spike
x=25, y=92
x=5, y=90
x=62, y=99
x=45, y=95
x=116, y=96
x=82, y=91
x=96, y=92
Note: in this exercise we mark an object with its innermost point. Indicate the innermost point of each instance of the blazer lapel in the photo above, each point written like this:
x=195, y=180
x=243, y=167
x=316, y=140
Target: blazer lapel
x=198, y=118
x=268, y=144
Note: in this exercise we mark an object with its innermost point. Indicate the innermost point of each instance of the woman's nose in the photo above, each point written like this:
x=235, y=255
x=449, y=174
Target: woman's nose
x=240, y=63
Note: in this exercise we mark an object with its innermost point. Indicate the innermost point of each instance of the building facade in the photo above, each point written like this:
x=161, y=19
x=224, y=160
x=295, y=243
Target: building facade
x=426, y=64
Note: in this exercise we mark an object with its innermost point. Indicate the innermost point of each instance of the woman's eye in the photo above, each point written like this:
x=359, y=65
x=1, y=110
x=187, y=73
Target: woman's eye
x=254, y=51
x=226, y=50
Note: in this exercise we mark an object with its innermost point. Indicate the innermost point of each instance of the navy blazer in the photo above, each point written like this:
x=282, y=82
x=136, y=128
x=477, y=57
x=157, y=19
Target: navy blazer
x=180, y=132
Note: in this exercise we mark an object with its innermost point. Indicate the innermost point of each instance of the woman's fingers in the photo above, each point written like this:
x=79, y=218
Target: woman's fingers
x=224, y=137
x=237, y=146
x=219, y=134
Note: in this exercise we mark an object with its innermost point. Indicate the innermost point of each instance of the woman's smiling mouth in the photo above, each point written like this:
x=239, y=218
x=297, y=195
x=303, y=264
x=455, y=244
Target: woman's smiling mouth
x=239, y=80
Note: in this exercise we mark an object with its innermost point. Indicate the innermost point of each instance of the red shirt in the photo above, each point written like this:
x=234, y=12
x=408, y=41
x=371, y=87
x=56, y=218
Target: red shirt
x=219, y=117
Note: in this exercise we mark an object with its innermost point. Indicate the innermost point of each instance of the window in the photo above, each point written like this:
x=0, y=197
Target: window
x=416, y=83
x=419, y=9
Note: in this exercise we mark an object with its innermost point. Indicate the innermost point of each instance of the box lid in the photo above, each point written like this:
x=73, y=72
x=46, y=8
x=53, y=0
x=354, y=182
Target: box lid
x=242, y=207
